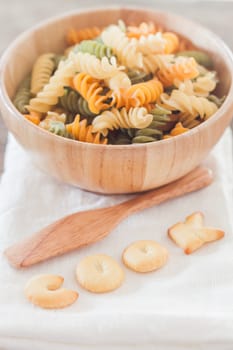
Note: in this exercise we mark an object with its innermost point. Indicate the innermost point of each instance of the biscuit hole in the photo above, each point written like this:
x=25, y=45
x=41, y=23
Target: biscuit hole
x=100, y=266
x=145, y=249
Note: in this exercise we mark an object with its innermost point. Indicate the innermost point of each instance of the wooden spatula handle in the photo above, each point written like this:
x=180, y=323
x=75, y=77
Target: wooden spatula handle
x=195, y=180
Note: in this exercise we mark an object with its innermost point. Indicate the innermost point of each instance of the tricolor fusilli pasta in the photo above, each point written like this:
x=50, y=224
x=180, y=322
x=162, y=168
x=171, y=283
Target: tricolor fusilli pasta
x=132, y=83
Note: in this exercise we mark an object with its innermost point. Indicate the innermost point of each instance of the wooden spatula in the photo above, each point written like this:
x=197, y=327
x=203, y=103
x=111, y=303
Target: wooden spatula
x=83, y=228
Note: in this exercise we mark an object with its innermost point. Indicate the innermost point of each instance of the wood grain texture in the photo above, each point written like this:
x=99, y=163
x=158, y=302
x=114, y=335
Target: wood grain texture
x=106, y=168
x=84, y=228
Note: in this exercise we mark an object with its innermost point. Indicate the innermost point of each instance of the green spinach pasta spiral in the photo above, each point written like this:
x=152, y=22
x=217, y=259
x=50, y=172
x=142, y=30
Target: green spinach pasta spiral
x=74, y=103
x=119, y=137
x=58, y=128
x=201, y=58
x=138, y=77
x=162, y=122
x=23, y=95
x=95, y=48
x=217, y=100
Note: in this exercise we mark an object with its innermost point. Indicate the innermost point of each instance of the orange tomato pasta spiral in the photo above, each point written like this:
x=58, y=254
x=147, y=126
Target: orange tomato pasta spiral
x=144, y=93
x=181, y=70
x=74, y=36
x=177, y=130
x=120, y=99
x=171, y=42
x=185, y=44
x=90, y=89
x=33, y=117
x=83, y=132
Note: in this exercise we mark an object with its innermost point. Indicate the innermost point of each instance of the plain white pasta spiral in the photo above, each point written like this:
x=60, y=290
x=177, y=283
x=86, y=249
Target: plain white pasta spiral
x=195, y=106
x=97, y=68
x=201, y=86
x=152, y=62
x=41, y=72
x=51, y=92
x=123, y=47
x=114, y=119
x=119, y=81
x=150, y=44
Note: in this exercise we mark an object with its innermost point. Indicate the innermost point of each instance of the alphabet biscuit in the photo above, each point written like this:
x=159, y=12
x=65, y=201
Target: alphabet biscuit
x=192, y=234
x=145, y=256
x=99, y=273
x=45, y=291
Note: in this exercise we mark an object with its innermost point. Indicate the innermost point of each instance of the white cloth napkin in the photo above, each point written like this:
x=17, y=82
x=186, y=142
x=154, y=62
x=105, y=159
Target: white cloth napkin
x=186, y=304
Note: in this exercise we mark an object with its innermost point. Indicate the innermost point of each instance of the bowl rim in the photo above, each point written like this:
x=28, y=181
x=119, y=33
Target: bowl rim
x=6, y=101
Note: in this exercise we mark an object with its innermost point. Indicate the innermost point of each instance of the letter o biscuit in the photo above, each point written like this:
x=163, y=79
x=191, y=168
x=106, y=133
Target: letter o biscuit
x=45, y=291
x=99, y=273
x=145, y=256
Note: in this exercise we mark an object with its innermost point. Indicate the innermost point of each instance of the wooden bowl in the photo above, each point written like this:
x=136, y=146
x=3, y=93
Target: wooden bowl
x=110, y=168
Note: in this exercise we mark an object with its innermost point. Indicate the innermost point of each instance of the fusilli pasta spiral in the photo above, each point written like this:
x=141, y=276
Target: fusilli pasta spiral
x=74, y=103
x=143, y=29
x=178, y=130
x=85, y=133
x=151, y=44
x=181, y=70
x=151, y=63
x=195, y=106
x=114, y=119
x=217, y=100
x=42, y=71
x=90, y=89
x=119, y=81
x=125, y=50
x=74, y=36
x=144, y=93
x=185, y=45
x=58, y=128
x=51, y=92
x=201, y=86
x=138, y=76
x=89, y=64
x=171, y=42
x=200, y=57
x=23, y=95
x=189, y=121
x=33, y=117
x=163, y=119
x=94, y=48
x=120, y=99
